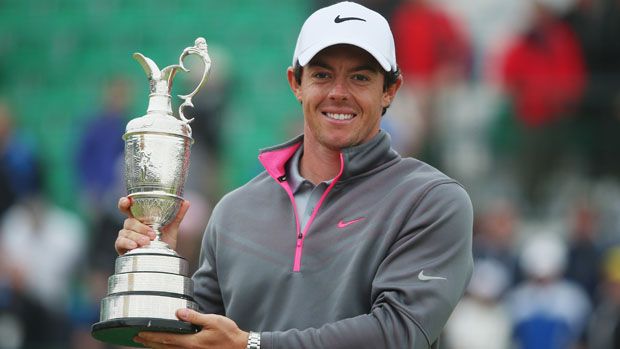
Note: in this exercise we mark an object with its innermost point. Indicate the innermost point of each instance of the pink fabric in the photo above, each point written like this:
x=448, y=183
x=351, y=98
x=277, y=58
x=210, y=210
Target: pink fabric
x=274, y=161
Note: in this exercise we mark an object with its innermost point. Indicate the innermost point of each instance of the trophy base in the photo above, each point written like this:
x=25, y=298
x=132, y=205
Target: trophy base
x=122, y=331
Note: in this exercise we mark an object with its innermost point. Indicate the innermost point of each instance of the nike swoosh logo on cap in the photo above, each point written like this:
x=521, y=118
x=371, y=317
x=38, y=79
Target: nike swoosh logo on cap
x=344, y=19
x=343, y=224
x=423, y=277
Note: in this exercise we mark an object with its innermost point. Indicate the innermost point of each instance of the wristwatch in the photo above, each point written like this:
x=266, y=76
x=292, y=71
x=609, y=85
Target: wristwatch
x=253, y=341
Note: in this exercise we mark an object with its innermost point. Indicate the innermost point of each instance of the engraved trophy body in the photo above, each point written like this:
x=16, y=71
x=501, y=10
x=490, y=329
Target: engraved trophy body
x=150, y=283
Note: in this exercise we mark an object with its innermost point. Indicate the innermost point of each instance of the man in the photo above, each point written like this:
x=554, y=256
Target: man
x=340, y=243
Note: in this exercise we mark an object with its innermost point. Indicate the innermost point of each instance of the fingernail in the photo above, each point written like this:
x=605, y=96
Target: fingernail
x=183, y=313
x=144, y=240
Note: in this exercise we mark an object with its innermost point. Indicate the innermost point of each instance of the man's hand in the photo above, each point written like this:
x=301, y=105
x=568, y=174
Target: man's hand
x=135, y=234
x=218, y=332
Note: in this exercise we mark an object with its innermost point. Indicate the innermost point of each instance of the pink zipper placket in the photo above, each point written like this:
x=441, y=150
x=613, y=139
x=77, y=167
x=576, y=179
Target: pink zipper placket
x=299, y=245
x=298, y=233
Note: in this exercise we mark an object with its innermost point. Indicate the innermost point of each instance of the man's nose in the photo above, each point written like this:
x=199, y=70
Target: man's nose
x=339, y=90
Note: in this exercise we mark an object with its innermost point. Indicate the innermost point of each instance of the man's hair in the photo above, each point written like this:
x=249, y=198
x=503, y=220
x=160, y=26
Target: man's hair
x=389, y=78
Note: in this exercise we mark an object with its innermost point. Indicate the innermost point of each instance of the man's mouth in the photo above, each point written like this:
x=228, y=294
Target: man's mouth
x=339, y=116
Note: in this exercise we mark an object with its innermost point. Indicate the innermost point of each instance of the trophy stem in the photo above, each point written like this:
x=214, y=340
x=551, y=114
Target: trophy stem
x=158, y=233
x=157, y=243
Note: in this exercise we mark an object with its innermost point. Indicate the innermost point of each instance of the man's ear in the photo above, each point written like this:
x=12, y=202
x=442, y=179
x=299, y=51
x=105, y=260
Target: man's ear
x=295, y=87
x=390, y=92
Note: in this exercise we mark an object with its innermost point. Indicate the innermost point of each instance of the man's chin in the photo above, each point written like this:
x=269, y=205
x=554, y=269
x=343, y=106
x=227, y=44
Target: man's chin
x=339, y=144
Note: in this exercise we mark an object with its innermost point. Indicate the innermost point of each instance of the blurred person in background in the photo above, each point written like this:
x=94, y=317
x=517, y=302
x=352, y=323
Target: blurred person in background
x=597, y=25
x=100, y=149
x=496, y=236
x=548, y=311
x=99, y=161
x=431, y=47
x=19, y=176
x=341, y=242
x=584, y=250
x=434, y=53
x=41, y=246
x=481, y=320
x=604, y=328
x=544, y=76
x=18, y=160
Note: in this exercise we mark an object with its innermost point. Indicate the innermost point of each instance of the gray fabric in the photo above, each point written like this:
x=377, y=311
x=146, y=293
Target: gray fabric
x=306, y=194
x=358, y=286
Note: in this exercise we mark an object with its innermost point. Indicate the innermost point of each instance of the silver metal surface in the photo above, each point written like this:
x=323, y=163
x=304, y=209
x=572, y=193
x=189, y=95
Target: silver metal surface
x=157, y=145
x=151, y=263
x=156, y=282
x=156, y=168
x=154, y=247
x=143, y=306
x=157, y=152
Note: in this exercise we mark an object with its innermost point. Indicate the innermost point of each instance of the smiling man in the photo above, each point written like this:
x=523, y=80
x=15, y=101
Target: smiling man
x=340, y=243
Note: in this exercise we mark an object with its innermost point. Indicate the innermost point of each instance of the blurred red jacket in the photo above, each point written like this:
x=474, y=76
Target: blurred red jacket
x=544, y=72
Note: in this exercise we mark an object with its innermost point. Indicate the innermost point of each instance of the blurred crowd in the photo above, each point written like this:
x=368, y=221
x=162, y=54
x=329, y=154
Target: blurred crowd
x=519, y=100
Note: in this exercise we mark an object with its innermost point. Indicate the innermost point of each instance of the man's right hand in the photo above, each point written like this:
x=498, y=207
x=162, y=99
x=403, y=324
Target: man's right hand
x=136, y=234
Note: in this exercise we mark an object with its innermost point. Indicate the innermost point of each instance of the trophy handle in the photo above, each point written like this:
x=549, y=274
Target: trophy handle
x=200, y=49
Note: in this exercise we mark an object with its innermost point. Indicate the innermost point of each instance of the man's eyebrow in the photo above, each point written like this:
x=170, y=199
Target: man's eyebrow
x=320, y=64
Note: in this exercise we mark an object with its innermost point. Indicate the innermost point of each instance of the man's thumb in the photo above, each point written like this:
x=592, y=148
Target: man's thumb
x=191, y=316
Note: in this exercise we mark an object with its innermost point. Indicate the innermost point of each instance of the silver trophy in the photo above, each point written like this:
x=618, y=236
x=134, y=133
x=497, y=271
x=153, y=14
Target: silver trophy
x=150, y=283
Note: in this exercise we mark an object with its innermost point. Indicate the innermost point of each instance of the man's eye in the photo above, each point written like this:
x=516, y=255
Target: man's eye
x=360, y=77
x=321, y=75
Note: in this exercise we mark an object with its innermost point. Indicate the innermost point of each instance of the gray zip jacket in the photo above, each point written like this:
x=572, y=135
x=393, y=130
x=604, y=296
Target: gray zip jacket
x=381, y=263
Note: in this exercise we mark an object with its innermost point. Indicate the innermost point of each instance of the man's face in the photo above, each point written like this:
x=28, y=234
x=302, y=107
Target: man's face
x=342, y=95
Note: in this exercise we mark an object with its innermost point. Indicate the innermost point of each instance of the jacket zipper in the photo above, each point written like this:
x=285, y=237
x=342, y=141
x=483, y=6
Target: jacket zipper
x=299, y=244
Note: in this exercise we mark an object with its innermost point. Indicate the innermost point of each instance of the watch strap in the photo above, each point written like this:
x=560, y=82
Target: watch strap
x=253, y=341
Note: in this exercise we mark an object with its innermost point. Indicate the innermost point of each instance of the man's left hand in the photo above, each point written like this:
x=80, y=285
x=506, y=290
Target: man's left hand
x=218, y=332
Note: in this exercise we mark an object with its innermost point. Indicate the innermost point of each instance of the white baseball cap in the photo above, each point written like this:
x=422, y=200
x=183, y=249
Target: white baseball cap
x=346, y=23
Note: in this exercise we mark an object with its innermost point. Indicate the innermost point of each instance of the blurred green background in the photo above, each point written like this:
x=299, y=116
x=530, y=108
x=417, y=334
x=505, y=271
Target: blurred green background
x=56, y=55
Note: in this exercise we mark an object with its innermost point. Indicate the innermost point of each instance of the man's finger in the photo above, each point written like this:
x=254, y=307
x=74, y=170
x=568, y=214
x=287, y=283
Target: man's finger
x=196, y=318
x=182, y=211
x=133, y=224
x=154, y=345
x=124, y=204
x=157, y=340
x=138, y=238
x=122, y=245
x=191, y=316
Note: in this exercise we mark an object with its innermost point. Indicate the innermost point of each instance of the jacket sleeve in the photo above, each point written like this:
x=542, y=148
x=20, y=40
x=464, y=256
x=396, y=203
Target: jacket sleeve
x=416, y=287
x=206, y=285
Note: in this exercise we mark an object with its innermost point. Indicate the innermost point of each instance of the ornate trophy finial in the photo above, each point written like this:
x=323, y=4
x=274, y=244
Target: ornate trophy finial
x=152, y=281
x=160, y=81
